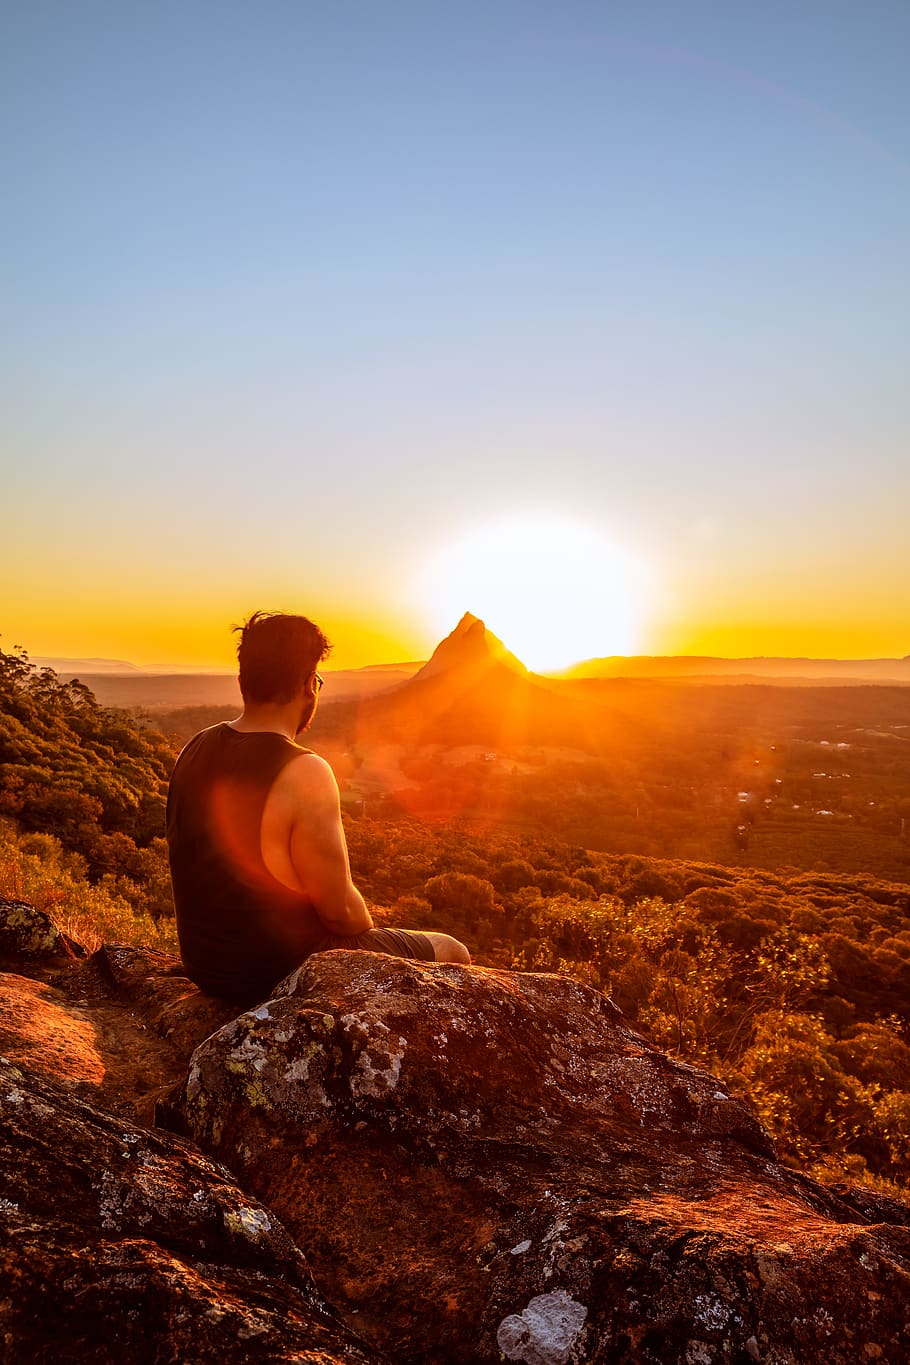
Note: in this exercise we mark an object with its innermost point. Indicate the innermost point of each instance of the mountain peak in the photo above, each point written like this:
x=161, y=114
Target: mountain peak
x=468, y=647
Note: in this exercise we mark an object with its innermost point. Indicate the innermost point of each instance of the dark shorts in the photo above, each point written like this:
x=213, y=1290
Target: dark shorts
x=398, y=942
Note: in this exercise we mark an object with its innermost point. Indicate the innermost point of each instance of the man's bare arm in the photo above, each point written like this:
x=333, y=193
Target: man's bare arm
x=319, y=850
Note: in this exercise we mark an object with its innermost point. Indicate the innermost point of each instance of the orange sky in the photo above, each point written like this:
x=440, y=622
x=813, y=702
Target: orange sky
x=283, y=342
x=548, y=610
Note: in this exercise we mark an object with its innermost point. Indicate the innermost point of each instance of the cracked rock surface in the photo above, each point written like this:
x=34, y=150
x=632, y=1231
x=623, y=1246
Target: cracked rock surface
x=489, y=1165
x=121, y=1244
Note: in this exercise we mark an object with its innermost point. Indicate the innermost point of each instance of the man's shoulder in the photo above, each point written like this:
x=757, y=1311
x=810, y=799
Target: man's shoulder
x=307, y=777
x=308, y=766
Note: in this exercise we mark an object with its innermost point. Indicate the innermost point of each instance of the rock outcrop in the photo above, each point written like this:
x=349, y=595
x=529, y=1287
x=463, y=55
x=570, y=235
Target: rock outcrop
x=467, y=1165
x=487, y=1165
x=121, y=1244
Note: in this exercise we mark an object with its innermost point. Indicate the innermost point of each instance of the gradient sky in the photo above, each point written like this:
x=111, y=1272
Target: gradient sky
x=298, y=295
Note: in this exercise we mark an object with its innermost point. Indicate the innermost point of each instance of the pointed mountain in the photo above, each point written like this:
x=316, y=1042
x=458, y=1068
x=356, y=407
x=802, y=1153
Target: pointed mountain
x=471, y=691
x=470, y=648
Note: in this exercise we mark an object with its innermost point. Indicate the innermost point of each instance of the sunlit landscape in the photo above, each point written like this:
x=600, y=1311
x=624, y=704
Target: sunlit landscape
x=553, y=361
x=756, y=823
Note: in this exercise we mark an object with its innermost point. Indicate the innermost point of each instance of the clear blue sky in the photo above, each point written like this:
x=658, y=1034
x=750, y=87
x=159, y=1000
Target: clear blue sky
x=295, y=293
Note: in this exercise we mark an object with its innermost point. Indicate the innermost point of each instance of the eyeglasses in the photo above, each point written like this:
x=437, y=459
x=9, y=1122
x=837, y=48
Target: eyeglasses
x=319, y=680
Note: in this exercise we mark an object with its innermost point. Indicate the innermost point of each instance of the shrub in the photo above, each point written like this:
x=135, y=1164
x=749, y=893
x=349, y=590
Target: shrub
x=459, y=891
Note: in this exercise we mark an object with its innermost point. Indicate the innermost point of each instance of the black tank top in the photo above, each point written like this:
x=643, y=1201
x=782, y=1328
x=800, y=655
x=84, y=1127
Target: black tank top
x=240, y=929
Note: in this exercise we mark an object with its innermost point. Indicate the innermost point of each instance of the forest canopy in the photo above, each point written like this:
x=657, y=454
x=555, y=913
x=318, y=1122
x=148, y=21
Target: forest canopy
x=95, y=779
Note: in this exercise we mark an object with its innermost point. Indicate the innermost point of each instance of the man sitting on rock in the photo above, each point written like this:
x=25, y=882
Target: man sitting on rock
x=259, y=860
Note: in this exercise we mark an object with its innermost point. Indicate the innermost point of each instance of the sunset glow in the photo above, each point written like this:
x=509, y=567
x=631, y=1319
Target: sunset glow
x=299, y=307
x=553, y=591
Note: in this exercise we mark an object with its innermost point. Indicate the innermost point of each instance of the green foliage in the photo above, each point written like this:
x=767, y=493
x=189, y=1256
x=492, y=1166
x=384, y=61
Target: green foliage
x=95, y=779
x=471, y=897
x=514, y=874
x=554, y=883
x=37, y=868
x=837, y=1107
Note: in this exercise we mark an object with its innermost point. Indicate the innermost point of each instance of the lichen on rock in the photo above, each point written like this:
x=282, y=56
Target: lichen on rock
x=546, y=1332
x=541, y=1186
x=28, y=932
x=125, y=1244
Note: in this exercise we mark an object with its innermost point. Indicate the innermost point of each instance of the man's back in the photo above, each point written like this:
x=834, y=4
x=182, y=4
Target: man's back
x=259, y=859
x=240, y=928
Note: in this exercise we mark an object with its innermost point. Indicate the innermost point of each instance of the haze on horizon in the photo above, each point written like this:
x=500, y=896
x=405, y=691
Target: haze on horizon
x=656, y=666
x=304, y=300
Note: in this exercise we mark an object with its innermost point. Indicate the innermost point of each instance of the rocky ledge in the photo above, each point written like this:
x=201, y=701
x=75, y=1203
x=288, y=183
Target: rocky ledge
x=470, y=1165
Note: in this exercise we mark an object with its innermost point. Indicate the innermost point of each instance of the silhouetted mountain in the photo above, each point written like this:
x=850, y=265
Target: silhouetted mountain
x=471, y=691
x=470, y=648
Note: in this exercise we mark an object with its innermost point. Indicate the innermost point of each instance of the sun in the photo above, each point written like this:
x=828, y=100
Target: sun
x=554, y=591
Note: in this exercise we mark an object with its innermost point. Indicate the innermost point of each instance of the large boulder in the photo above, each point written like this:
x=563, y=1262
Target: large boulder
x=484, y=1165
x=121, y=1244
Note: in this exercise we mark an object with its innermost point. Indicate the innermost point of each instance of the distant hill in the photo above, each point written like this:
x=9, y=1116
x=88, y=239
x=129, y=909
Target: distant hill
x=70, y=668
x=759, y=669
x=165, y=691
x=771, y=771
x=468, y=651
x=154, y=691
x=474, y=691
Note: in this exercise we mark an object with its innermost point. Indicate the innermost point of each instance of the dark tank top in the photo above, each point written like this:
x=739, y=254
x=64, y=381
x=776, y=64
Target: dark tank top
x=240, y=929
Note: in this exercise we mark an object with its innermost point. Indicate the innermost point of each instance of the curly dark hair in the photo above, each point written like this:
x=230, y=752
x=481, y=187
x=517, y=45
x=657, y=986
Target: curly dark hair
x=277, y=653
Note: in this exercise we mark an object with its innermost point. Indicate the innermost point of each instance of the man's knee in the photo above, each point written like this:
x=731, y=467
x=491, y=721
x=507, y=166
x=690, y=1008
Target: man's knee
x=448, y=949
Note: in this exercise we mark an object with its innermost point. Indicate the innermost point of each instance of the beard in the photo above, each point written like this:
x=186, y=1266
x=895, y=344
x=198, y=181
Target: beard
x=307, y=712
